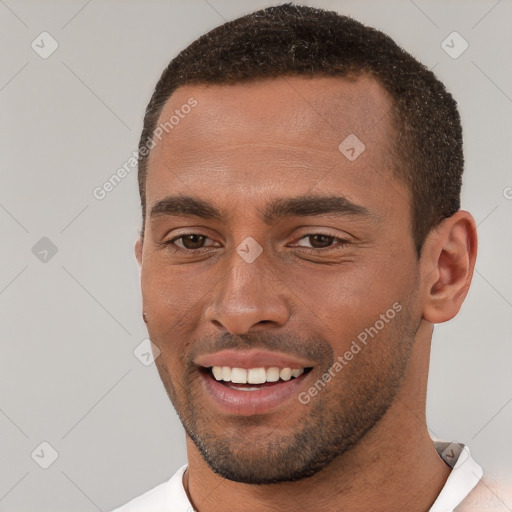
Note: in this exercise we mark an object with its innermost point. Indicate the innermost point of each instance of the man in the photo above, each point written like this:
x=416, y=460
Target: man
x=300, y=183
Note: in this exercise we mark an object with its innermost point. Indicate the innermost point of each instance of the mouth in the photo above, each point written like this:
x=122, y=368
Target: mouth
x=253, y=379
x=250, y=391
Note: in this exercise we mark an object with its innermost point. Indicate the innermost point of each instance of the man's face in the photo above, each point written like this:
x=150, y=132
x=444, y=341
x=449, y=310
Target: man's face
x=260, y=281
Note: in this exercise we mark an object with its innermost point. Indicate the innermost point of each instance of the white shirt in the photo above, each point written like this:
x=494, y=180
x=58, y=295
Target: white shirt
x=170, y=496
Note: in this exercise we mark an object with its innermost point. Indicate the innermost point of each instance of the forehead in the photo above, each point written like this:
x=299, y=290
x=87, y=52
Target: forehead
x=259, y=135
x=287, y=107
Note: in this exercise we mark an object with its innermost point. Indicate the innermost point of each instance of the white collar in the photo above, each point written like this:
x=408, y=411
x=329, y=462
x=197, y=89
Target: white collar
x=466, y=473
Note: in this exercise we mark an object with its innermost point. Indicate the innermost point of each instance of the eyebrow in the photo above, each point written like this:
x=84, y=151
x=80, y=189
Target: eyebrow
x=302, y=206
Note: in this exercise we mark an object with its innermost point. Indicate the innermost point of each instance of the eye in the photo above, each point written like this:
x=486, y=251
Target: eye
x=321, y=241
x=194, y=242
x=188, y=242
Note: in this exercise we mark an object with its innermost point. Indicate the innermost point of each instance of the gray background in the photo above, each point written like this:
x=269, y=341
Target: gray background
x=70, y=324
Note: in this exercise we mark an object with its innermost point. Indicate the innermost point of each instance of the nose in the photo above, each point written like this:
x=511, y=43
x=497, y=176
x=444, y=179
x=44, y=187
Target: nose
x=248, y=296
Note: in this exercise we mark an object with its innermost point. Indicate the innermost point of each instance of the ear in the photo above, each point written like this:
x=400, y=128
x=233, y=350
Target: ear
x=447, y=264
x=138, y=250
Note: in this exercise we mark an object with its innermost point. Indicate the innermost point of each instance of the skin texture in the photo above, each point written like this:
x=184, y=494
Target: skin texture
x=361, y=439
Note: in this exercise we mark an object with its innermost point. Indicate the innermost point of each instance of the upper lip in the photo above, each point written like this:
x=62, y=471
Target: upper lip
x=252, y=359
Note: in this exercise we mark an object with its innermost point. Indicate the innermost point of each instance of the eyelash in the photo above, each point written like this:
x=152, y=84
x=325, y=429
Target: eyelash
x=341, y=242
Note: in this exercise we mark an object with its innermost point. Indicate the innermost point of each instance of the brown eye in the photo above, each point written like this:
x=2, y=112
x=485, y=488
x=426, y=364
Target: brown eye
x=320, y=241
x=190, y=243
x=193, y=241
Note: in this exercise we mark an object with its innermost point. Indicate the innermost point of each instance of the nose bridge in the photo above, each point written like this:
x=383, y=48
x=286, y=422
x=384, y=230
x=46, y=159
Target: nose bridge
x=249, y=292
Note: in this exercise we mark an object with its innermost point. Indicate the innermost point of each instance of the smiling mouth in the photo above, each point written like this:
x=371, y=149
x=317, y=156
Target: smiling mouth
x=253, y=379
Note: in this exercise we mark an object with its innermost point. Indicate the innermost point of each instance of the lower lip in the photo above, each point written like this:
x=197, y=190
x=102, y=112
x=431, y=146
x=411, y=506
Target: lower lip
x=247, y=403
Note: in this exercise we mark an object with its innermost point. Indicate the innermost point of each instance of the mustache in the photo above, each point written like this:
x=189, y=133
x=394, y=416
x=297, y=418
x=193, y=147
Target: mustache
x=315, y=349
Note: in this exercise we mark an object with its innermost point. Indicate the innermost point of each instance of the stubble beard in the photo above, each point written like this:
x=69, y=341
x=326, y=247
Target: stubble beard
x=333, y=422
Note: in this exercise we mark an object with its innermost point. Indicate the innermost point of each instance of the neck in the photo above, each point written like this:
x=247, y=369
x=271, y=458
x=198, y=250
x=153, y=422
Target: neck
x=393, y=467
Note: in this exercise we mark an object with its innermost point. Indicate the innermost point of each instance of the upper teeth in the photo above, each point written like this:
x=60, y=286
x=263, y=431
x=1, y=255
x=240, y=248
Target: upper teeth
x=254, y=375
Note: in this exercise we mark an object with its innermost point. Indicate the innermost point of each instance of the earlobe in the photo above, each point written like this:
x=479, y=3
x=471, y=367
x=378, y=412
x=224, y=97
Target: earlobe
x=448, y=261
x=138, y=250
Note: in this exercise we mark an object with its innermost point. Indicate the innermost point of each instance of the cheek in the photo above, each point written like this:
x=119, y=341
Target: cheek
x=343, y=303
x=359, y=285
x=173, y=293
x=173, y=310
